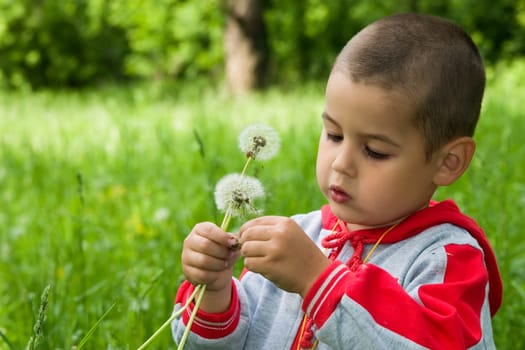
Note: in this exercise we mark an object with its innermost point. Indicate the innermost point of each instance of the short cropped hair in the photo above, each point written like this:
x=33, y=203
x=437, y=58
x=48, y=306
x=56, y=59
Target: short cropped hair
x=430, y=60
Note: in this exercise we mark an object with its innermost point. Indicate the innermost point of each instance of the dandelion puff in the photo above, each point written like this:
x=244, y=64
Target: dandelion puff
x=235, y=193
x=259, y=142
x=161, y=214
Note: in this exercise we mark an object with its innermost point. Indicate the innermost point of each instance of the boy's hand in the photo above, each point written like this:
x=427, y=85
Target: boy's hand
x=208, y=257
x=280, y=250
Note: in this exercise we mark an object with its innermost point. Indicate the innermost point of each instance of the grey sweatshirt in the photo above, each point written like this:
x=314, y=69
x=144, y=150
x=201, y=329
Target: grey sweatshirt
x=432, y=283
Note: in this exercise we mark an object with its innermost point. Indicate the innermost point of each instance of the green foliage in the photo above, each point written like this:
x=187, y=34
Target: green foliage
x=102, y=188
x=99, y=188
x=64, y=43
x=305, y=36
x=74, y=43
x=497, y=30
x=58, y=43
x=170, y=38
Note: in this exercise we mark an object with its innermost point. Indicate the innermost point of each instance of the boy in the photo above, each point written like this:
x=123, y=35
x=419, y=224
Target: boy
x=381, y=266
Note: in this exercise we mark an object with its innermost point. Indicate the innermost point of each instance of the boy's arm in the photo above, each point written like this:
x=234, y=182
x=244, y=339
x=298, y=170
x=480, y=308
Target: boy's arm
x=369, y=307
x=207, y=258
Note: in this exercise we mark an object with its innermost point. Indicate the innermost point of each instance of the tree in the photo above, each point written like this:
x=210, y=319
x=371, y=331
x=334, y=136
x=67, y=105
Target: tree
x=246, y=46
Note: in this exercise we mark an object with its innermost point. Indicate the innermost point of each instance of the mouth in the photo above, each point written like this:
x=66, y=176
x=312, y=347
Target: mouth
x=338, y=195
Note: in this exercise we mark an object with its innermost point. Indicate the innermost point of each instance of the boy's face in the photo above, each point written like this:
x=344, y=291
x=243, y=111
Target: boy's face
x=371, y=164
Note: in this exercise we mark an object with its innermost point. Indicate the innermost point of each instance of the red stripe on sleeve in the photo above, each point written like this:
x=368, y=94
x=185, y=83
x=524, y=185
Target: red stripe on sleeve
x=326, y=292
x=448, y=319
x=210, y=325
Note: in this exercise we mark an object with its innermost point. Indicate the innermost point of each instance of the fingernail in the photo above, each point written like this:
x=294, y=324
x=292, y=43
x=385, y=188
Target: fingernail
x=234, y=243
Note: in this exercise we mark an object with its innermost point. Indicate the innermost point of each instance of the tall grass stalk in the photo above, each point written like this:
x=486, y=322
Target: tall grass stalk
x=92, y=330
x=38, y=329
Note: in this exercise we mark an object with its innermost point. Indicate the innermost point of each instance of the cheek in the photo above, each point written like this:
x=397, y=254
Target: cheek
x=400, y=181
x=322, y=164
x=319, y=167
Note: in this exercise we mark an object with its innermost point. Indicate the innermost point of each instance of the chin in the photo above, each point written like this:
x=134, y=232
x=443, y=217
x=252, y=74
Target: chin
x=342, y=212
x=353, y=217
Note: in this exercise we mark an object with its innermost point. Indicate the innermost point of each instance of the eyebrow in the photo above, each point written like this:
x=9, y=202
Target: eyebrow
x=326, y=116
x=378, y=137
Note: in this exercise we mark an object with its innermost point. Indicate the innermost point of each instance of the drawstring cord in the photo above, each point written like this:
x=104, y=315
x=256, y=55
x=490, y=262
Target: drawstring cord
x=337, y=240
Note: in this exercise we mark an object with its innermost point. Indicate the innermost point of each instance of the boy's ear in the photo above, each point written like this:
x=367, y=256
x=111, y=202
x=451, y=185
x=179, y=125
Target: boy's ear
x=454, y=160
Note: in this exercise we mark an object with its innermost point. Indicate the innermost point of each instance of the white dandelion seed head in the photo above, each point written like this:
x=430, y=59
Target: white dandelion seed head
x=236, y=193
x=259, y=142
x=161, y=214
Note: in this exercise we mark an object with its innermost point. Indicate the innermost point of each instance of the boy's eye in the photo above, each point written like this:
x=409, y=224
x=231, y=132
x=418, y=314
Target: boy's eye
x=373, y=154
x=334, y=137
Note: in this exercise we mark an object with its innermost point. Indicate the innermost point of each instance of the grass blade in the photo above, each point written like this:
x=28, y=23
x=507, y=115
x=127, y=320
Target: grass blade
x=94, y=328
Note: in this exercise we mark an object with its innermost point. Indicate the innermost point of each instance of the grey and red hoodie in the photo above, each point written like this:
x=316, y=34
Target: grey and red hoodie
x=432, y=283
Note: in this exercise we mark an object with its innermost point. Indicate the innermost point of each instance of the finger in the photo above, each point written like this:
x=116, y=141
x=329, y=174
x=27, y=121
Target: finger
x=263, y=228
x=251, y=249
x=256, y=233
x=262, y=220
x=255, y=264
x=198, y=276
x=214, y=233
x=204, y=261
x=202, y=245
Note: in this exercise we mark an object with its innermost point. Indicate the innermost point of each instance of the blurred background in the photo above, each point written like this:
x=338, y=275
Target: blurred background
x=118, y=117
x=247, y=43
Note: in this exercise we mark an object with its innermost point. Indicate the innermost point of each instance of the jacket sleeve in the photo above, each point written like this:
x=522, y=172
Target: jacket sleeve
x=372, y=308
x=209, y=330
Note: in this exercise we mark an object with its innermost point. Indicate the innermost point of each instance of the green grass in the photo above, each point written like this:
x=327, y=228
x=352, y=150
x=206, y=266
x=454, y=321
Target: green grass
x=99, y=188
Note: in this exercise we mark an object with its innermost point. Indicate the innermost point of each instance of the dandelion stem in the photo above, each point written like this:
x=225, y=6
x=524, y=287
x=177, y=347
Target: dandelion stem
x=224, y=226
x=226, y=220
x=200, y=289
x=248, y=160
x=192, y=317
x=172, y=317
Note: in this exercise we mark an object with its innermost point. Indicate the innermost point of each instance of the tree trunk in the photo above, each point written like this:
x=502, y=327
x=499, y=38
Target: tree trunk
x=246, y=46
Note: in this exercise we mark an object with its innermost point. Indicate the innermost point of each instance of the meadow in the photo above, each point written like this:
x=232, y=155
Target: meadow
x=98, y=189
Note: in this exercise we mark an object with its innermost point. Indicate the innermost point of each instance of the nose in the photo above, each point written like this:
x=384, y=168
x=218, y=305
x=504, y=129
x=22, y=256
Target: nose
x=345, y=161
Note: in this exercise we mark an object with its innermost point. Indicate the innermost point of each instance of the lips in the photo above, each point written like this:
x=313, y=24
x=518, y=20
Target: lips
x=338, y=195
